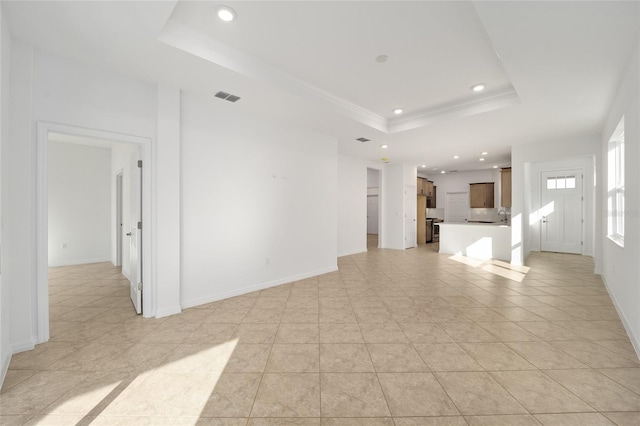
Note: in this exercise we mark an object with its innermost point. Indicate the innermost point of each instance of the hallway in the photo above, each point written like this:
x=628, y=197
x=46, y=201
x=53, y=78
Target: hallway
x=394, y=337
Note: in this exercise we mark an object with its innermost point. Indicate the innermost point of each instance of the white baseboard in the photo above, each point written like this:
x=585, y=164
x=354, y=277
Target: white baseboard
x=632, y=337
x=4, y=368
x=25, y=345
x=165, y=312
x=238, y=292
x=80, y=262
x=349, y=253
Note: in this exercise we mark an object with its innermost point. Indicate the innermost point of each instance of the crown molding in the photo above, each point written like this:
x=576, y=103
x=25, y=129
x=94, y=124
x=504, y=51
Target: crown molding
x=181, y=36
x=477, y=105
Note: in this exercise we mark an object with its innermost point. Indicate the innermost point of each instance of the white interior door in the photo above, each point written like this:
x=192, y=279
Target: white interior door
x=561, y=211
x=135, y=232
x=372, y=214
x=457, y=207
x=410, y=213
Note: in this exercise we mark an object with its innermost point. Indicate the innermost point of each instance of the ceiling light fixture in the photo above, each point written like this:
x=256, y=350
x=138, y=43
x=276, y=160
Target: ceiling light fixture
x=484, y=153
x=382, y=59
x=495, y=167
x=456, y=157
x=481, y=159
x=478, y=87
x=384, y=146
x=397, y=111
x=423, y=166
x=443, y=172
x=226, y=13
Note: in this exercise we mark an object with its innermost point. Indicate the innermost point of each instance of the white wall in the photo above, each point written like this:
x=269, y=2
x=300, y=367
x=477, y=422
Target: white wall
x=393, y=207
x=459, y=182
x=620, y=266
x=352, y=205
x=5, y=50
x=582, y=149
x=79, y=204
x=259, y=201
x=121, y=163
x=19, y=215
x=45, y=88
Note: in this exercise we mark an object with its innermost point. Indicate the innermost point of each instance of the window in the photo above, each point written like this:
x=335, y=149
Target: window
x=615, y=186
x=561, y=182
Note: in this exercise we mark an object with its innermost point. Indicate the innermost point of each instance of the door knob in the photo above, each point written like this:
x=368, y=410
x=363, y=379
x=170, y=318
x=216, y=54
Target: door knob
x=128, y=234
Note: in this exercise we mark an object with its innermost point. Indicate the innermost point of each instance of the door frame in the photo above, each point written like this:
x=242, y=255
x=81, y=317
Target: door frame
x=41, y=293
x=541, y=188
x=380, y=204
x=119, y=216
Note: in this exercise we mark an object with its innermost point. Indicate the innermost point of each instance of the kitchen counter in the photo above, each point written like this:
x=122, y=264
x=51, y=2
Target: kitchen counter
x=476, y=240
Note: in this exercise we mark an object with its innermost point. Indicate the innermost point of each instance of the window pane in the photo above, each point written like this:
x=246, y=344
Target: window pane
x=551, y=183
x=560, y=183
x=571, y=182
x=620, y=213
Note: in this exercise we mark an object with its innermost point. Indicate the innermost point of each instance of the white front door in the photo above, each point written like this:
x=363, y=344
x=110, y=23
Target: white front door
x=410, y=213
x=135, y=232
x=561, y=211
x=457, y=207
x=372, y=214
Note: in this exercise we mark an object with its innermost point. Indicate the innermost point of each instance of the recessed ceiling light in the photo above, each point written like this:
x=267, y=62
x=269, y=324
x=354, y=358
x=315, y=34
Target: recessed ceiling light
x=478, y=87
x=484, y=153
x=443, y=172
x=226, y=13
x=495, y=167
x=382, y=59
x=456, y=157
x=423, y=166
x=481, y=159
x=397, y=111
x=384, y=146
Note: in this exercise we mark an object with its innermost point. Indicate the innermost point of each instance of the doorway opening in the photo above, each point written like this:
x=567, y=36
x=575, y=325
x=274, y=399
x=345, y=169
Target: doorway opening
x=88, y=213
x=373, y=208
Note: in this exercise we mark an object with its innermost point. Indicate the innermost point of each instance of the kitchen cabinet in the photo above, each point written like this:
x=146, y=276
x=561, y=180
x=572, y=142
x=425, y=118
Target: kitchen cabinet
x=481, y=195
x=425, y=187
x=428, y=188
x=505, y=181
x=422, y=219
x=421, y=186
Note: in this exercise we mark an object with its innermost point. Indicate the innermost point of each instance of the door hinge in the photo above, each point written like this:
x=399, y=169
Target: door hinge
x=139, y=225
x=139, y=286
x=581, y=198
x=581, y=243
x=140, y=163
x=581, y=220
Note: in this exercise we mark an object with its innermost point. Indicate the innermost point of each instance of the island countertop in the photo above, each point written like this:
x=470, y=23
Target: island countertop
x=476, y=240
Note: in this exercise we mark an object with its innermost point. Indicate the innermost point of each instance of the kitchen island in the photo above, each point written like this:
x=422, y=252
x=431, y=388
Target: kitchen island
x=476, y=240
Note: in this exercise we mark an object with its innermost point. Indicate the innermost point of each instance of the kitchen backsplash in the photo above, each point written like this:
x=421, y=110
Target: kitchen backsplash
x=485, y=215
x=435, y=213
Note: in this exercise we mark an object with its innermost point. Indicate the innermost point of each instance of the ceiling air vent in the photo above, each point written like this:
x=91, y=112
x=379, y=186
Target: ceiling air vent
x=363, y=139
x=227, y=96
x=453, y=171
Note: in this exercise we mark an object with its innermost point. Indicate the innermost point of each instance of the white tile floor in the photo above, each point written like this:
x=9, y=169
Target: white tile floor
x=394, y=337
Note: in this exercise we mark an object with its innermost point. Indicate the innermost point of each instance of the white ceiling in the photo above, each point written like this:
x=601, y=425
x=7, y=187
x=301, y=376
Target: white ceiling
x=551, y=68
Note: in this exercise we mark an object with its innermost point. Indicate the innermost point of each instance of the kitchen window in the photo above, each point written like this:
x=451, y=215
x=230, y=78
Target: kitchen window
x=615, y=186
